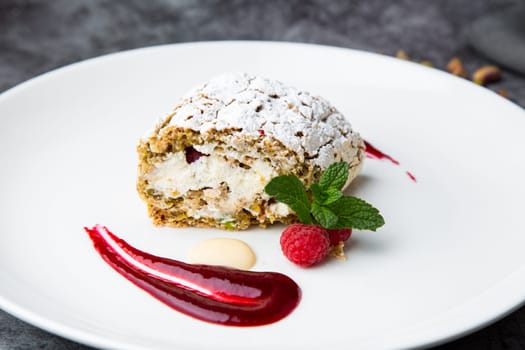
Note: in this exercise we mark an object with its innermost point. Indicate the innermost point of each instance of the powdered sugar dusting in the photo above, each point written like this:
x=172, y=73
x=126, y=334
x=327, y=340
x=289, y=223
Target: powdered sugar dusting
x=305, y=123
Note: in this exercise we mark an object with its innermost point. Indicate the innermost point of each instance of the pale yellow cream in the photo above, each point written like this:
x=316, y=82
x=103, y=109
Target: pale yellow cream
x=228, y=252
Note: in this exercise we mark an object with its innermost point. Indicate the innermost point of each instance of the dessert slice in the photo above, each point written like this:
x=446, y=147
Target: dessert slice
x=207, y=163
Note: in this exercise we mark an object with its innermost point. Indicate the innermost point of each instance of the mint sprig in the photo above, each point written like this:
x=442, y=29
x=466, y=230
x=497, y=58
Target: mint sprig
x=328, y=206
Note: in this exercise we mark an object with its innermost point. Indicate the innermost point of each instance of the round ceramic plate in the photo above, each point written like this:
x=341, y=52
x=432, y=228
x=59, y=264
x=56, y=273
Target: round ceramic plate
x=449, y=259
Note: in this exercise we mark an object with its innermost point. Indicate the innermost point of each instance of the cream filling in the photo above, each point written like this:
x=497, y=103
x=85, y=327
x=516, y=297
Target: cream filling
x=278, y=210
x=173, y=177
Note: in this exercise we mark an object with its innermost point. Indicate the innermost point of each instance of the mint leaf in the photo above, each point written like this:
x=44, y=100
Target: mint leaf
x=355, y=213
x=324, y=197
x=324, y=216
x=334, y=176
x=317, y=193
x=331, y=195
x=289, y=190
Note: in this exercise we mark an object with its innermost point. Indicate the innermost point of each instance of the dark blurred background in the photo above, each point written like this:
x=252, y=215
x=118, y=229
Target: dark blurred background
x=38, y=36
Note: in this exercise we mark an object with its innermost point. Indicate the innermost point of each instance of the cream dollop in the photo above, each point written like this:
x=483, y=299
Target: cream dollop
x=228, y=252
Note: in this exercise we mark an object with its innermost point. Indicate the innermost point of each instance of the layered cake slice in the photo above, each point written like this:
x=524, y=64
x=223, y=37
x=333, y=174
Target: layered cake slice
x=207, y=163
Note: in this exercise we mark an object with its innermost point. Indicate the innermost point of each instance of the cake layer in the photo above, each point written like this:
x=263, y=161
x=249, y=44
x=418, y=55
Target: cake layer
x=207, y=163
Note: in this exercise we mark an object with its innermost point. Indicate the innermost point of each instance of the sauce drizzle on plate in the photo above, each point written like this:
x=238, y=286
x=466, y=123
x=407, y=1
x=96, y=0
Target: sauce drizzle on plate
x=214, y=294
x=374, y=153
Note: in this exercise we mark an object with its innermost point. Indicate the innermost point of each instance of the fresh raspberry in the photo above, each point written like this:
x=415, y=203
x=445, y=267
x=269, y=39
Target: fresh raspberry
x=305, y=245
x=339, y=235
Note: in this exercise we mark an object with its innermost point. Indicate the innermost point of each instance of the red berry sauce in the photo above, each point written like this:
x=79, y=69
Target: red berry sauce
x=374, y=153
x=214, y=294
x=411, y=176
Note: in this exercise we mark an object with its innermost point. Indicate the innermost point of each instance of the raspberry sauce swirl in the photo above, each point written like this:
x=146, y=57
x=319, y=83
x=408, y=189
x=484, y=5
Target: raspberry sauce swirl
x=214, y=294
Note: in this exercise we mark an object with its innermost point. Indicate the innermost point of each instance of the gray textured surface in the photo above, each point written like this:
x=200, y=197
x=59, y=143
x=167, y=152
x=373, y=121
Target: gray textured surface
x=501, y=36
x=37, y=36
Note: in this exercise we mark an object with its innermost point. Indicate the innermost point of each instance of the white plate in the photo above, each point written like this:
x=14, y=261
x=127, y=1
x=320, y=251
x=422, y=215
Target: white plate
x=449, y=259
